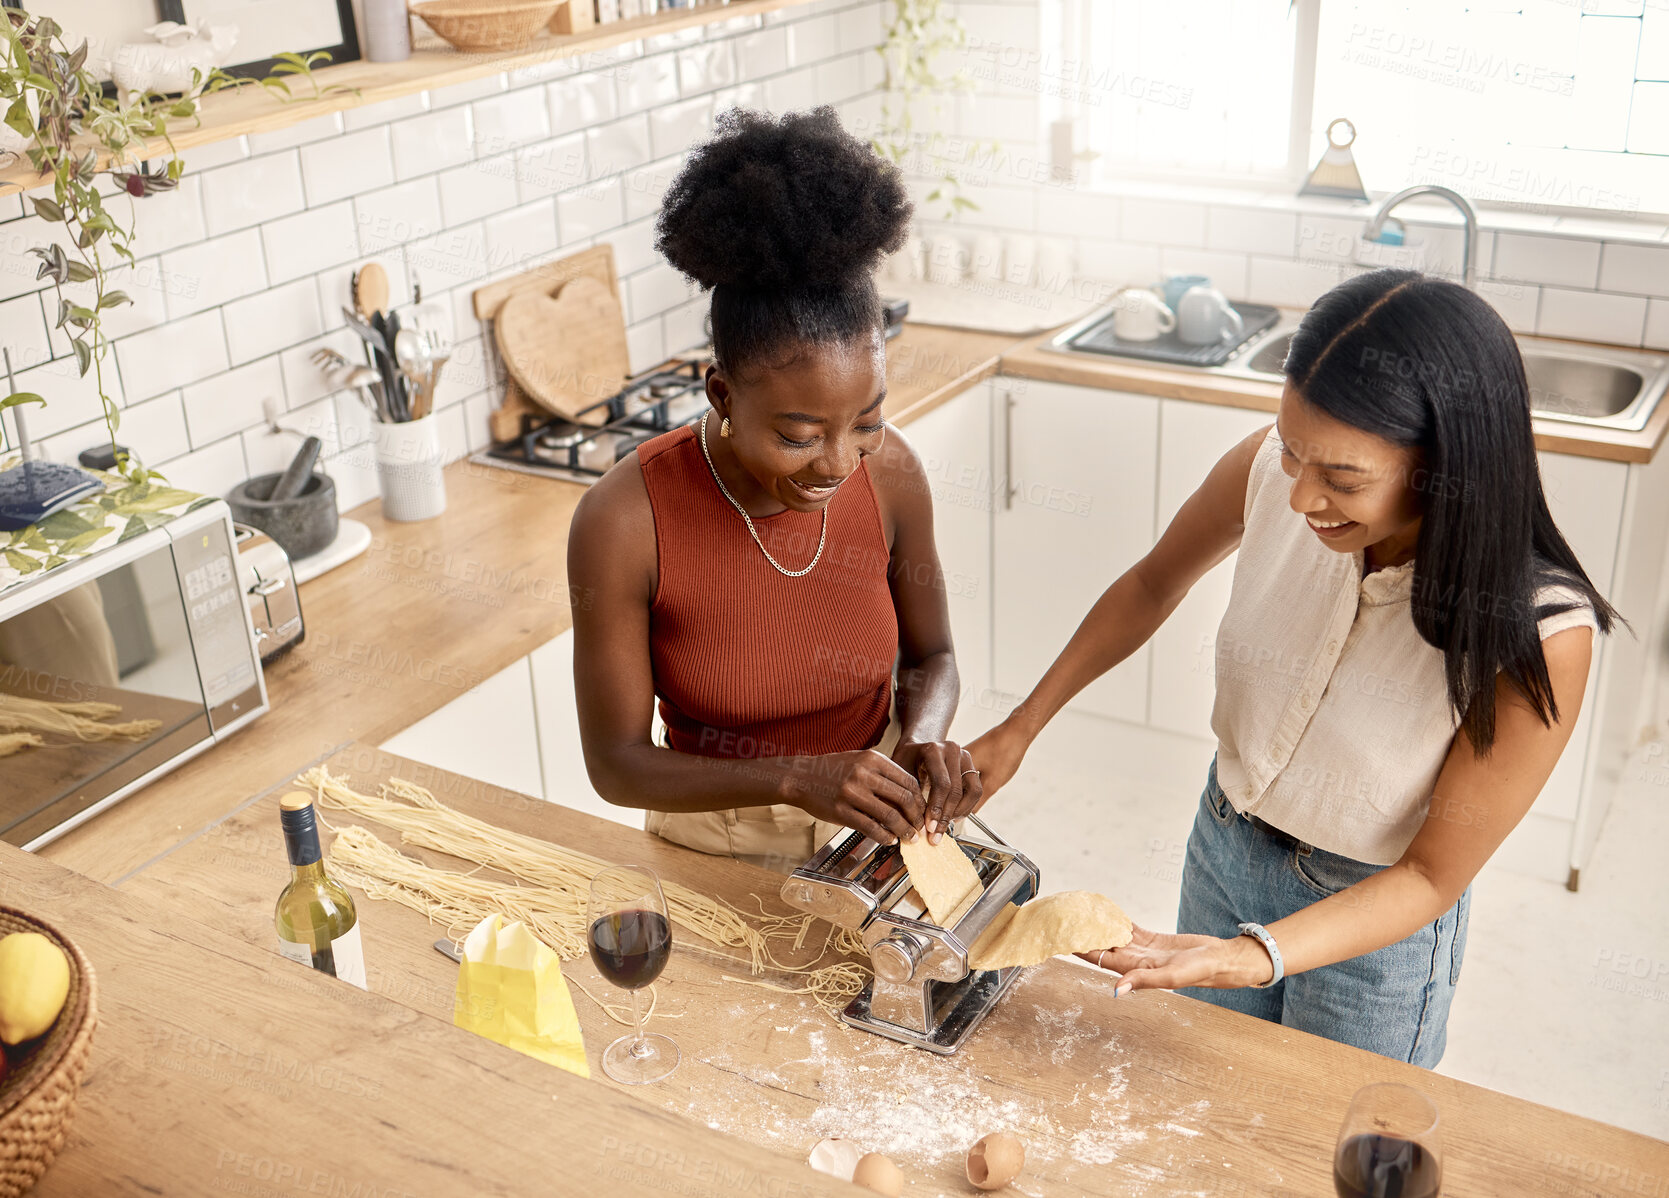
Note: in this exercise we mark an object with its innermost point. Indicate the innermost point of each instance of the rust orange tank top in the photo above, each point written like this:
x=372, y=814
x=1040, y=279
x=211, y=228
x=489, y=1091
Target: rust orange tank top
x=749, y=662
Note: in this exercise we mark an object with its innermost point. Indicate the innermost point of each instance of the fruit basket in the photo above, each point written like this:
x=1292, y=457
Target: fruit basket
x=38, y=1089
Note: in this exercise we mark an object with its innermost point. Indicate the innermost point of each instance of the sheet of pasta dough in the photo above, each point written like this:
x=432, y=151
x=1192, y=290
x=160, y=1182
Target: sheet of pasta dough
x=1075, y=921
x=941, y=874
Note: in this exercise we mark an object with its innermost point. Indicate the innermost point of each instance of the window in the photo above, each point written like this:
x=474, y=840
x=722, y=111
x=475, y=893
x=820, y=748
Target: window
x=1548, y=103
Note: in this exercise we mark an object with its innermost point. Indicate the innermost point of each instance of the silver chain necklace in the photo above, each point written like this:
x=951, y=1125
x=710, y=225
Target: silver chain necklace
x=821, y=539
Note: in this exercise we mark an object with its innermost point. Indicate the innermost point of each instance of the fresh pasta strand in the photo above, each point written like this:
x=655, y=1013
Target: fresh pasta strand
x=84, y=721
x=552, y=900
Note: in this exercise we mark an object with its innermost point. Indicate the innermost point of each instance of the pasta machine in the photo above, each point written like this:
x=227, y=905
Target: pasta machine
x=923, y=992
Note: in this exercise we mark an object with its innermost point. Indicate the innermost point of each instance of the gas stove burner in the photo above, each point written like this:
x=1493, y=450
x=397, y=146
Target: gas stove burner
x=560, y=434
x=650, y=404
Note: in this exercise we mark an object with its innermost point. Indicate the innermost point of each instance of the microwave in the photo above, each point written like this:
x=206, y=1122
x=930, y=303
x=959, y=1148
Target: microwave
x=129, y=661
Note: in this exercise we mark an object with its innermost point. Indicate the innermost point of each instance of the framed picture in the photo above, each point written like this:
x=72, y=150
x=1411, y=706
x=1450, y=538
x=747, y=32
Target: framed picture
x=265, y=27
x=105, y=24
x=269, y=27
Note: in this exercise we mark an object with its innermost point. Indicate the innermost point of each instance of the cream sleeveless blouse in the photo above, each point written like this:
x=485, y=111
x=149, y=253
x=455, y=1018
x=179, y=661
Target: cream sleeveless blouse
x=1331, y=715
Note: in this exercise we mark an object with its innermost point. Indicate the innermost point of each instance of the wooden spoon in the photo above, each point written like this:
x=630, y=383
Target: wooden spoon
x=370, y=290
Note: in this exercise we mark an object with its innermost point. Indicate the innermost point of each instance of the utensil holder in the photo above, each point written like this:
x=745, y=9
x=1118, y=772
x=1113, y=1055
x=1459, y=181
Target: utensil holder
x=409, y=469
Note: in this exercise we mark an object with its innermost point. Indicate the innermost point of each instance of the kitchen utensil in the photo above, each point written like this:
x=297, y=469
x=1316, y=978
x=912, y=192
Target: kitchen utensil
x=568, y=353
x=1389, y=1143
x=923, y=992
x=1205, y=317
x=393, y=382
x=631, y=939
x=1173, y=287
x=367, y=332
x=449, y=950
x=1139, y=315
x=296, y=474
x=472, y=25
x=370, y=290
x=301, y=525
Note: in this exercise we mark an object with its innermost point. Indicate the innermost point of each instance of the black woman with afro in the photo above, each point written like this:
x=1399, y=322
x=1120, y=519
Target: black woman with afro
x=769, y=574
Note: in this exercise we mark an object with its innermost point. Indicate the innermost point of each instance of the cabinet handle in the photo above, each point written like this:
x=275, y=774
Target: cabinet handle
x=1008, y=451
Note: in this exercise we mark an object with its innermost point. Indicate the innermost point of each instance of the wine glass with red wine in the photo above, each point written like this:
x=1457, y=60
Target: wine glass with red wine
x=1389, y=1146
x=631, y=939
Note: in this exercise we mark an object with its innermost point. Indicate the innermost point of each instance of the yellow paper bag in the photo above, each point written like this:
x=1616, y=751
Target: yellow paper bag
x=510, y=989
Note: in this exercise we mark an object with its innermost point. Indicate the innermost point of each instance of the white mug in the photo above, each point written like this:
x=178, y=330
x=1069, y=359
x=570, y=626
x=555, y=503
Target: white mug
x=1204, y=317
x=988, y=258
x=1054, y=264
x=947, y=259
x=1139, y=315
x=1020, y=260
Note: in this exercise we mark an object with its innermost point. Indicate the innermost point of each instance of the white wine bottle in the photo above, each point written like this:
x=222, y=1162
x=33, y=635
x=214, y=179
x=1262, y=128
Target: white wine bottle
x=317, y=924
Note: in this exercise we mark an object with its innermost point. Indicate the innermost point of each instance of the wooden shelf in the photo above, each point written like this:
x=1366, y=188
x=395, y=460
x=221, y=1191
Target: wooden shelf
x=432, y=64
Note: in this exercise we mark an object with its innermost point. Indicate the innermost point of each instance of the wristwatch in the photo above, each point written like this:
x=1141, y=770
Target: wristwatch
x=1261, y=934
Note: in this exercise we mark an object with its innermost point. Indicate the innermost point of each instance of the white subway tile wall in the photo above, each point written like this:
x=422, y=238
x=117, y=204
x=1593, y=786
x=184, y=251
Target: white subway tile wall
x=244, y=269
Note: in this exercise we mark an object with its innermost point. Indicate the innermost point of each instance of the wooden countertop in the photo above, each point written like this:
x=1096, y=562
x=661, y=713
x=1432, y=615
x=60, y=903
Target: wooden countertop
x=433, y=64
x=1152, y=1093
x=427, y=613
x=218, y=1067
x=1028, y=360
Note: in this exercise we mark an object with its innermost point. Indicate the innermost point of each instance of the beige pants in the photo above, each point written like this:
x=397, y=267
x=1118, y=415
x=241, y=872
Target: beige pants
x=779, y=837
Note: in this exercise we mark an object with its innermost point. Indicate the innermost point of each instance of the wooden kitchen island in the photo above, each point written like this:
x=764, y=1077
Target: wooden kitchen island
x=1148, y=1094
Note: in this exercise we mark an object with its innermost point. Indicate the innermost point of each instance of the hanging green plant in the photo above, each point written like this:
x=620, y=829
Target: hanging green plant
x=75, y=130
x=920, y=34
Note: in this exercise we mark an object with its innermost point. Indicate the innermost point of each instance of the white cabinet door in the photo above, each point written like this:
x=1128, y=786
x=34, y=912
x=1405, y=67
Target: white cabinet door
x=487, y=734
x=954, y=444
x=1192, y=437
x=560, y=755
x=1075, y=506
x=1585, y=496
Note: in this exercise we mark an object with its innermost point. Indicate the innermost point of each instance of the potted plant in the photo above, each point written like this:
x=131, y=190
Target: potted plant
x=920, y=33
x=73, y=130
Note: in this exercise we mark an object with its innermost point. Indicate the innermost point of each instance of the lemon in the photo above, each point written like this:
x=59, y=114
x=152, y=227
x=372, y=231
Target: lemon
x=34, y=982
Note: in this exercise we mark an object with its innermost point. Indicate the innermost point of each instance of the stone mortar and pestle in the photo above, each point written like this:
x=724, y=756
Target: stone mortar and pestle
x=296, y=507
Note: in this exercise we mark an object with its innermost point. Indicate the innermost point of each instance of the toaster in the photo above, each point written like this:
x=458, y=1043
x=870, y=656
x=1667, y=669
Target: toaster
x=268, y=582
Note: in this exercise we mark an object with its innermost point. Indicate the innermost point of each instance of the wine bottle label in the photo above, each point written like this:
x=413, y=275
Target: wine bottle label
x=343, y=958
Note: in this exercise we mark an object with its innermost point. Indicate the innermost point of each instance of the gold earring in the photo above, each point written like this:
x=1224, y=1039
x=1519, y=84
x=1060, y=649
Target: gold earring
x=724, y=427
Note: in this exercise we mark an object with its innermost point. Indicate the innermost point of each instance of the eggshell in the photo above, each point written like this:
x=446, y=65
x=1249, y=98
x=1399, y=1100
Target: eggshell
x=877, y=1173
x=995, y=1161
x=836, y=1157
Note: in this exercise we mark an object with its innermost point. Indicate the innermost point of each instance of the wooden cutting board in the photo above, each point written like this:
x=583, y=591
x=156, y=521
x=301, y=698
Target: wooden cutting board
x=567, y=351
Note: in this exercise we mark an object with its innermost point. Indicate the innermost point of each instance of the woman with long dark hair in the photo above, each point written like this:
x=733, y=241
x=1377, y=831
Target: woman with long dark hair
x=1402, y=660
x=766, y=573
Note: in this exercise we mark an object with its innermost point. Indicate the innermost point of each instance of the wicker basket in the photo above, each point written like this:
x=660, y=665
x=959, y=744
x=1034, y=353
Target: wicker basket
x=477, y=25
x=38, y=1093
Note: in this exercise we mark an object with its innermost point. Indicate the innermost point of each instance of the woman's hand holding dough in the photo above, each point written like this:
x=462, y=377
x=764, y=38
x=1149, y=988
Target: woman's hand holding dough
x=1165, y=961
x=863, y=789
x=950, y=784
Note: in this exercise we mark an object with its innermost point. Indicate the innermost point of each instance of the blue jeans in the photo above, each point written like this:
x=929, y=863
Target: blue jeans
x=1394, y=1001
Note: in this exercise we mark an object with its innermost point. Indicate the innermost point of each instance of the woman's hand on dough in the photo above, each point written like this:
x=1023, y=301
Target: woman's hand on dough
x=997, y=755
x=1166, y=961
x=863, y=789
x=950, y=784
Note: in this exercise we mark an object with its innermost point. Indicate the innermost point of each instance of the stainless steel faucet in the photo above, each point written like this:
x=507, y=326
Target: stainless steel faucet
x=1469, y=268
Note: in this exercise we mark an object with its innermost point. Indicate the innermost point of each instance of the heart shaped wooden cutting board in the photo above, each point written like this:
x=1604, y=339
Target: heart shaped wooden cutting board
x=566, y=351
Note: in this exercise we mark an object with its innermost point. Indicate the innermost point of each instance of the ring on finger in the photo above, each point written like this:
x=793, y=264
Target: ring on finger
x=1100, y=953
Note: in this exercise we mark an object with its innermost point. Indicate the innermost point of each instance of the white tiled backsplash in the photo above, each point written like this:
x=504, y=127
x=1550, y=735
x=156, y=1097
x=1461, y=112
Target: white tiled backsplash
x=244, y=269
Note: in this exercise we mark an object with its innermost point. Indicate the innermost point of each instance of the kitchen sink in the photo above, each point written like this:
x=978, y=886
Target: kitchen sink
x=1611, y=388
